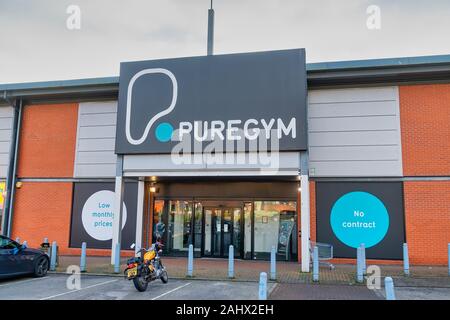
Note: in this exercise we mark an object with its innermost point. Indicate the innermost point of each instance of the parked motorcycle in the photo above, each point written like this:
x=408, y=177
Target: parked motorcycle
x=149, y=268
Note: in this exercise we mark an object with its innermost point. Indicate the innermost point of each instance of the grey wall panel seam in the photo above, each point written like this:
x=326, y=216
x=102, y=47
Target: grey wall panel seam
x=358, y=160
x=354, y=145
x=97, y=125
x=102, y=151
x=356, y=130
x=351, y=101
x=356, y=116
x=95, y=138
x=96, y=113
x=399, y=134
x=75, y=163
x=95, y=163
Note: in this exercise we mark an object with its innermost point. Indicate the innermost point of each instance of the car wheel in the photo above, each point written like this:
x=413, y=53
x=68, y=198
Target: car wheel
x=41, y=267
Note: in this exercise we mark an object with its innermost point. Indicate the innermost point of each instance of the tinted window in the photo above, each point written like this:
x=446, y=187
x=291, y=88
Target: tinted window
x=6, y=243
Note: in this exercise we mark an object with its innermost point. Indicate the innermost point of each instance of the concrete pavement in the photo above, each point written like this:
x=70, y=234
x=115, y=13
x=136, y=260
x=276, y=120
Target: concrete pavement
x=247, y=270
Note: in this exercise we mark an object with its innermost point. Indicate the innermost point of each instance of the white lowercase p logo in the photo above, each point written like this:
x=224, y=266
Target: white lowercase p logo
x=164, y=130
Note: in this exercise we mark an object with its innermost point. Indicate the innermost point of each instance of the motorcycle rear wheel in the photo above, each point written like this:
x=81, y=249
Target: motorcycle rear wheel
x=140, y=284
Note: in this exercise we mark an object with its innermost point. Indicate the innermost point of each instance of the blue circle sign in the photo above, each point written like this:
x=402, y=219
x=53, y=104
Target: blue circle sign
x=164, y=132
x=359, y=217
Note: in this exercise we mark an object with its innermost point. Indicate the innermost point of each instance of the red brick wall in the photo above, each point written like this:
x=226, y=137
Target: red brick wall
x=47, y=150
x=42, y=209
x=312, y=217
x=425, y=118
x=427, y=213
x=47, y=141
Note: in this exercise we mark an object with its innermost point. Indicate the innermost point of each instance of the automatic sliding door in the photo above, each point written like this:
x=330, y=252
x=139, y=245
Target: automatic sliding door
x=237, y=235
x=180, y=225
x=222, y=228
x=248, y=209
x=216, y=232
x=207, y=239
x=227, y=232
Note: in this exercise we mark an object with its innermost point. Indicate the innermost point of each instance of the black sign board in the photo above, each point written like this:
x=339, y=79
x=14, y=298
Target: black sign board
x=225, y=98
x=351, y=213
x=92, y=214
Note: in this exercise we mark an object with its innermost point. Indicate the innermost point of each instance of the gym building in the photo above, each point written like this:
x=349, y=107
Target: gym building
x=253, y=150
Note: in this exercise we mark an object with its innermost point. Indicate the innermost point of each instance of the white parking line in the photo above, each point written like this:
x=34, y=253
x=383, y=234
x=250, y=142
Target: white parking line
x=166, y=293
x=23, y=281
x=72, y=291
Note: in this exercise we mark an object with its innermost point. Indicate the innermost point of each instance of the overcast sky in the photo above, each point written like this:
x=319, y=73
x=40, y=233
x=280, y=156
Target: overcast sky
x=36, y=45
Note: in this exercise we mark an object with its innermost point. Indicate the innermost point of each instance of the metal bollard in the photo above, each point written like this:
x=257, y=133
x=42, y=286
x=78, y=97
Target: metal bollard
x=405, y=259
x=363, y=258
x=359, y=269
x=18, y=240
x=262, y=286
x=231, y=261
x=53, y=257
x=117, y=259
x=273, y=264
x=316, y=264
x=449, y=259
x=83, y=257
x=190, y=266
x=389, y=288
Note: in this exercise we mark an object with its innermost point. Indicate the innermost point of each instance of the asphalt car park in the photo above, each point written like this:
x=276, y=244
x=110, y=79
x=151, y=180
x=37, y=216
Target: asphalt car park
x=54, y=287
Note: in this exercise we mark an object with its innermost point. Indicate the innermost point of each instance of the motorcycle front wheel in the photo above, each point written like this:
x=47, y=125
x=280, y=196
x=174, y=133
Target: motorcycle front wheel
x=140, y=284
x=164, y=277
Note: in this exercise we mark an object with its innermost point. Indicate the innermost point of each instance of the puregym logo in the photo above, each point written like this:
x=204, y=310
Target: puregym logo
x=231, y=130
x=164, y=130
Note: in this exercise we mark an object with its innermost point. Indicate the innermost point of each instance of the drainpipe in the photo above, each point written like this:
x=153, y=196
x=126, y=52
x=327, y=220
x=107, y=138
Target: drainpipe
x=12, y=167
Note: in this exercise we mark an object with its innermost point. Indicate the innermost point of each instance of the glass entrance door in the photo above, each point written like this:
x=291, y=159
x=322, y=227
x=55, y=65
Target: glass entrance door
x=222, y=227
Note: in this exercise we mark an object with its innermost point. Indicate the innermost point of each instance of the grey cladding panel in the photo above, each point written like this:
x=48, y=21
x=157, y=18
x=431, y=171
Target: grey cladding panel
x=87, y=170
x=4, y=160
x=98, y=119
x=360, y=123
x=354, y=132
x=6, y=123
x=95, y=155
x=94, y=132
x=349, y=138
x=100, y=144
x=353, y=109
